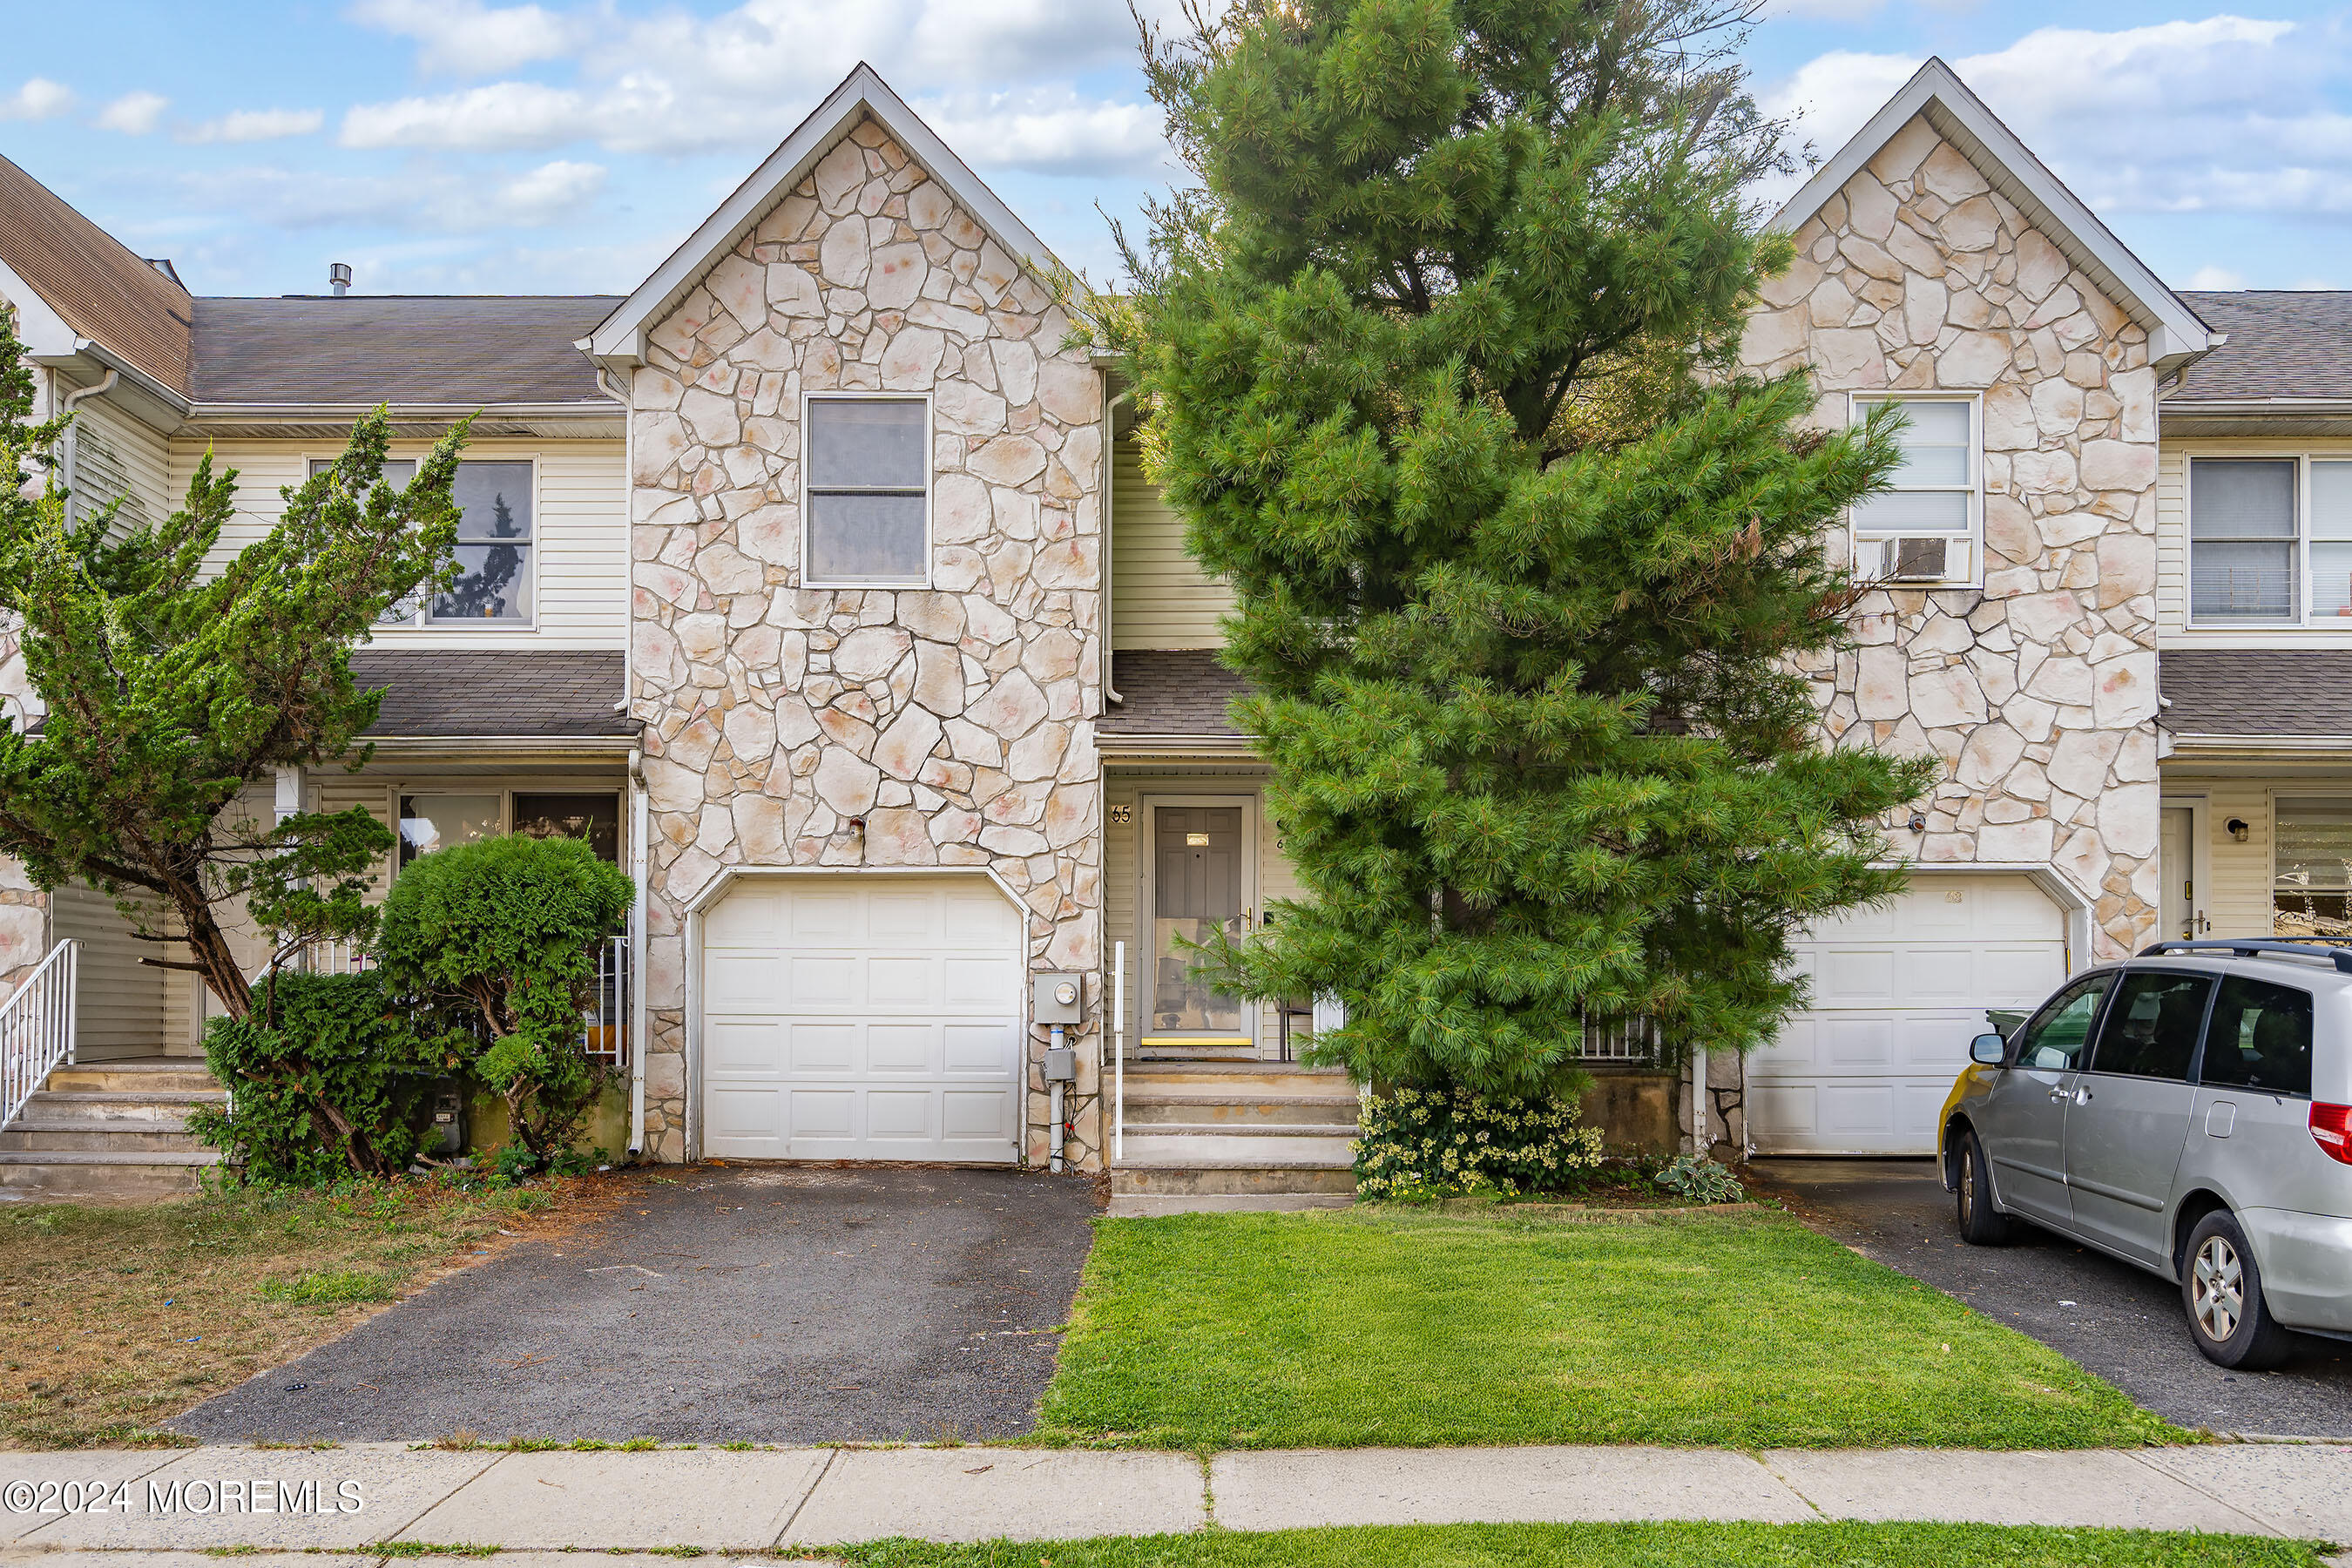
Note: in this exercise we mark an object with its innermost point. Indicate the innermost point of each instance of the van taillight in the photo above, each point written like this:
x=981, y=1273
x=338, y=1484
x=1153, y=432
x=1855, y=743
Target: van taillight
x=2331, y=1129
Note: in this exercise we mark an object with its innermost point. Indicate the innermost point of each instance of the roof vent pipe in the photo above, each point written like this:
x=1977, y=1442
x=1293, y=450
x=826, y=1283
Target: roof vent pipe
x=339, y=277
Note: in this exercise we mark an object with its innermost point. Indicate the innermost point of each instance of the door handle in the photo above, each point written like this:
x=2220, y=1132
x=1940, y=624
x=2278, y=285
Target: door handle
x=2057, y=1097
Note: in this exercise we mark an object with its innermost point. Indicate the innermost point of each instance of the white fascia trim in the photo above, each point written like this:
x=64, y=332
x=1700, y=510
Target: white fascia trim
x=2261, y=745
x=473, y=748
x=344, y=413
x=2176, y=334
x=620, y=338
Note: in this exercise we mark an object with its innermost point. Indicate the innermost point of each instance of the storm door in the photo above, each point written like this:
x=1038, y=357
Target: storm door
x=1202, y=879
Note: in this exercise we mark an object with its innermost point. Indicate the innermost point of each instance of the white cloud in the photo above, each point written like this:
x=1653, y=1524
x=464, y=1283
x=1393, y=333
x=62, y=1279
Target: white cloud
x=1050, y=133
x=503, y=115
x=257, y=125
x=426, y=198
x=2226, y=113
x=464, y=37
x=673, y=83
x=133, y=114
x=2212, y=277
x=39, y=99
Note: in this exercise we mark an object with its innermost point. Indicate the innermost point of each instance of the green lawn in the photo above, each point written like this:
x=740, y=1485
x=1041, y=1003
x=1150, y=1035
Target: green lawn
x=1619, y=1546
x=1343, y=1328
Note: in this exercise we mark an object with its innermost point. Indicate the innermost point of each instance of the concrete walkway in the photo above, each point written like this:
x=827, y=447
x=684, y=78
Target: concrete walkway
x=341, y=1501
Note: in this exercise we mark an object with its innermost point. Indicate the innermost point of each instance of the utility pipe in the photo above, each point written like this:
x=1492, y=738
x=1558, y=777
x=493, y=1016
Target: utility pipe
x=1053, y=1159
x=1118, y=1052
x=1700, y=1142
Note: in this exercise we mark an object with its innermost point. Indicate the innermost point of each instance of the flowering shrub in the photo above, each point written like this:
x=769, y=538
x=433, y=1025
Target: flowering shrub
x=1697, y=1177
x=1448, y=1142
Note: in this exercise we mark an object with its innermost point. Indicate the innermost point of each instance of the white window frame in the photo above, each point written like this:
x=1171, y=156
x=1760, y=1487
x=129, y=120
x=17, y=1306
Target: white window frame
x=422, y=621
x=930, y=484
x=1858, y=406
x=2301, y=620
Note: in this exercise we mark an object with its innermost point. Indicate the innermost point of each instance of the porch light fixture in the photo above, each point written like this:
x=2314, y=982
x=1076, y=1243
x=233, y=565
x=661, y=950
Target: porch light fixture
x=2238, y=831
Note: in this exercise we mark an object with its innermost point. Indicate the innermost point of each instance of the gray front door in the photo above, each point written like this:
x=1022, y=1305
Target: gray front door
x=2130, y=1115
x=2024, y=1117
x=1199, y=886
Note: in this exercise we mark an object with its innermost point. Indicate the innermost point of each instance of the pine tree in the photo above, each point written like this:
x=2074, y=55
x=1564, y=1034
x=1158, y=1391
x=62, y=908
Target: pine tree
x=1436, y=358
x=166, y=691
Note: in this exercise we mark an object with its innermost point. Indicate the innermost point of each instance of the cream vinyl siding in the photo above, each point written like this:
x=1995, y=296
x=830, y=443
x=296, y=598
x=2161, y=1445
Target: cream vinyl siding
x=119, y=1009
x=2238, y=892
x=340, y=792
x=579, y=532
x=115, y=454
x=1160, y=597
x=1123, y=876
x=2173, y=629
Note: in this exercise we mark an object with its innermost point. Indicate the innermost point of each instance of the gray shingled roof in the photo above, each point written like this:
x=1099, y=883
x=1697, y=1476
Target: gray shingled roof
x=2255, y=692
x=2284, y=342
x=536, y=694
x=1171, y=691
x=397, y=349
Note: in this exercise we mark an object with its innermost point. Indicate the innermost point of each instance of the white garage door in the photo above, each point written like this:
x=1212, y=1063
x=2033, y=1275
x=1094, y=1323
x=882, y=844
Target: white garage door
x=862, y=1018
x=1897, y=993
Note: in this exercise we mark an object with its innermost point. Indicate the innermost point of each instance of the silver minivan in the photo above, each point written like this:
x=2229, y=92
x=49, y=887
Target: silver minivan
x=2188, y=1110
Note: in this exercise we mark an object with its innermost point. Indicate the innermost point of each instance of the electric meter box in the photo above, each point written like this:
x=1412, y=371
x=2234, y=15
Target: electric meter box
x=1058, y=998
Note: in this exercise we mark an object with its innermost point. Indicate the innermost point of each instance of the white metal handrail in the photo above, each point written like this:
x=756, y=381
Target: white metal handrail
x=1118, y=1053
x=37, y=1027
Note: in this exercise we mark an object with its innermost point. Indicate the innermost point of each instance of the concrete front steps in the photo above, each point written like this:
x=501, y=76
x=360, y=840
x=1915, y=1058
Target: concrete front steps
x=101, y=1131
x=1236, y=1128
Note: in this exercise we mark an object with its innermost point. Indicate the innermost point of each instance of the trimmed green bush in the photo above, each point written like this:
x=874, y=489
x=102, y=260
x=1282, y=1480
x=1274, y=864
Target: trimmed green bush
x=324, y=1078
x=1429, y=1143
x=498, y=939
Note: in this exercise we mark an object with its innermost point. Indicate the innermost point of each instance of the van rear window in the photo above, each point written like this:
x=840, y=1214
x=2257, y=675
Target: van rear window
x=2260, y=1038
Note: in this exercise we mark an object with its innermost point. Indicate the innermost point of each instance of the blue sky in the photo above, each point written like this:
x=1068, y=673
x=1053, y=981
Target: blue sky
x=471, y=146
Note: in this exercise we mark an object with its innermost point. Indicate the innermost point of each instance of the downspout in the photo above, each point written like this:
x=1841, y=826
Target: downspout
x=640, y=850
x=639, y=1038
x=1109, y=479
x=71, y=401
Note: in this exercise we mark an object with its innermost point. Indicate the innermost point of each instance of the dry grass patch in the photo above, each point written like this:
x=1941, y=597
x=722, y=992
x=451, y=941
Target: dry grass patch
x=115, y=1318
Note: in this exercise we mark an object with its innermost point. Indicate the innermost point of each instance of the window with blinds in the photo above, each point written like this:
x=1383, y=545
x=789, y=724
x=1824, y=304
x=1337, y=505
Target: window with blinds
x=2269, y=541
x=2311, y=879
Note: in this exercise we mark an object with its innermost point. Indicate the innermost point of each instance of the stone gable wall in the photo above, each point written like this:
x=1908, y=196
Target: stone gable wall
x=2038, y=693
x=955, y=722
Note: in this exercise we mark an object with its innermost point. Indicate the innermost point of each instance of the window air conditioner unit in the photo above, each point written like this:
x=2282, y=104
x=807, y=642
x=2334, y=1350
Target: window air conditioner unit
x=1931, y=558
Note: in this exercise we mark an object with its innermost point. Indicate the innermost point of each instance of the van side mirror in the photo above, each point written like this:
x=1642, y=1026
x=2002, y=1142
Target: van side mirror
x=1987, y=1050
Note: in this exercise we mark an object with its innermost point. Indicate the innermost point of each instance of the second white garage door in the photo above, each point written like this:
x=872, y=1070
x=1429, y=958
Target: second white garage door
x=1897, y=993
x=862, y=1018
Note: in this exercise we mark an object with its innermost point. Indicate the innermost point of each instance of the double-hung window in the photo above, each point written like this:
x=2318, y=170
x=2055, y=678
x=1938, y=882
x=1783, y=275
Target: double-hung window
x=868, y=492
x=495, y=535
x=2269, y=541
x=1924, y=527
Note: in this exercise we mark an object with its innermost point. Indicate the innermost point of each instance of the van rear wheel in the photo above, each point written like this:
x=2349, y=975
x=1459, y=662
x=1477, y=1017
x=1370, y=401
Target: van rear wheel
x=2222, y=1287
x=1981, y=1225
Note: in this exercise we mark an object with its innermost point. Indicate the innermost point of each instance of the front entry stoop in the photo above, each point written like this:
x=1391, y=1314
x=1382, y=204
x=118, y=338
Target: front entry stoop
x=109, y=1131
x=1238, y=1128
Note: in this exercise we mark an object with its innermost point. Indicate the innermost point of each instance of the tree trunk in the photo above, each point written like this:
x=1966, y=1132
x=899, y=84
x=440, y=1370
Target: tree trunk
x=208, y=948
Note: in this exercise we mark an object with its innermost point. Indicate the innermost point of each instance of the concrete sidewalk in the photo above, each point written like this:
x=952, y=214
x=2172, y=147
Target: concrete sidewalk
x=344, y=1500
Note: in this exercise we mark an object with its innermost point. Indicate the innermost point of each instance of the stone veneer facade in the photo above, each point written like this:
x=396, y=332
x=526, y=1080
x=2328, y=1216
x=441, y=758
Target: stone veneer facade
x=955, y=722
x=2037, y=693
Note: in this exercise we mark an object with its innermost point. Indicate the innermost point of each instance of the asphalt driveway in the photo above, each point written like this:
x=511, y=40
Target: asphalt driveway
x=2127, y=1326
x=774, y=1304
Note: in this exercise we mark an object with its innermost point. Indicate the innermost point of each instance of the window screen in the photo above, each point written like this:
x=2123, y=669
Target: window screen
x=1933, y=490
x=2241, y=538
x=2311, y=868
x=493, y=551
x=494, y=537
x=2331, y=542
x=868, y=483
x=2260, y=1038
x=2151, y=1029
